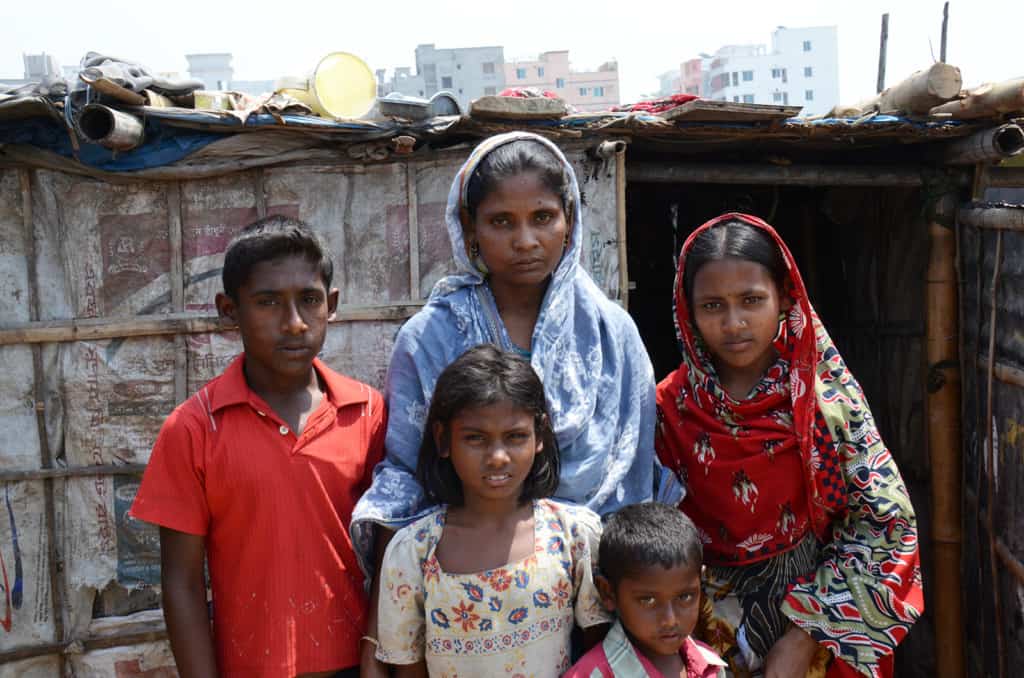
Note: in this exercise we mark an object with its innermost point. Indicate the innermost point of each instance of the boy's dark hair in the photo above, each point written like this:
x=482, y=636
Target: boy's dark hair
x=513, y=159
x=738, y=240
x=644, y=535
x=485, y=375
x=272, y=238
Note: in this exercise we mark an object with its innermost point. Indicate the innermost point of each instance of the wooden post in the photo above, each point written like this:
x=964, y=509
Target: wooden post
x=945, y=26
x=944, y=437
x=881, y=52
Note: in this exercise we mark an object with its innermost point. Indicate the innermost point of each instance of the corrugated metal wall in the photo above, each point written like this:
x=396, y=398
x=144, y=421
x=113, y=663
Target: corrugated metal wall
x=136, y=266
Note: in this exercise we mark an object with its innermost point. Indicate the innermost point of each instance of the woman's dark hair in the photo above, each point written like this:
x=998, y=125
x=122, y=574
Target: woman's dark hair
x=485, y=375
x=272, y=238
x=644, y=535
x=738, y=240
x=513, y=159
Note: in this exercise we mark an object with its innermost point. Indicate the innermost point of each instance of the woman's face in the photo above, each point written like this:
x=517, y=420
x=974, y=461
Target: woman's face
x=520, y=228
x=736, y=306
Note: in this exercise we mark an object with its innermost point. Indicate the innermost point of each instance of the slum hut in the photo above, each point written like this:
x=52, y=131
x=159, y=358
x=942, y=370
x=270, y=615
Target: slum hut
x=109, y=261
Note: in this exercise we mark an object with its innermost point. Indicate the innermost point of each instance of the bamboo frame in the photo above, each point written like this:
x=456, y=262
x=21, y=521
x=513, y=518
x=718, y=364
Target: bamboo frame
x=73, y=472
x=412, y=201
x=993, y=218
x=944, y=439
x=620, y=223
x=1012, y=563
x=82, y=645
x=96, y=329
x=787, y=175
x=39, y=394
x=991, y=454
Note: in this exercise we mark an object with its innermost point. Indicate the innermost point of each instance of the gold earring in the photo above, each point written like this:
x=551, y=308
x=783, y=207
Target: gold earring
x=474, y=249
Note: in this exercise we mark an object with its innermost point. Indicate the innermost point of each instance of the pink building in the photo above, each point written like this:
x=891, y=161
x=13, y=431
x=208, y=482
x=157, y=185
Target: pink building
x=586, y=90
x=693, y=76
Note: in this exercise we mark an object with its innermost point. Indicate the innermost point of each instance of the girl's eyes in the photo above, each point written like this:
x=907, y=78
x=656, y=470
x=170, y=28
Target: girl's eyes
x=686, y=597
x=544, y=218
x=751, y=300
x=711, y=306
x=646, y=601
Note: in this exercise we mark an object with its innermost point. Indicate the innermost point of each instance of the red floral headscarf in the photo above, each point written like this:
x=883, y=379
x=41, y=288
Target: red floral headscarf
x=761, y=472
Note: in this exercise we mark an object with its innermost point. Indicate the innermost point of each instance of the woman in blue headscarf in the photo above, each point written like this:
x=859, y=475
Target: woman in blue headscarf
x=514, y=221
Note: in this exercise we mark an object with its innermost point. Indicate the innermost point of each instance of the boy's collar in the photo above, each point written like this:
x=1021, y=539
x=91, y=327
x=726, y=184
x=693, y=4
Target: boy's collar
x=233, y=389
x=625, y=660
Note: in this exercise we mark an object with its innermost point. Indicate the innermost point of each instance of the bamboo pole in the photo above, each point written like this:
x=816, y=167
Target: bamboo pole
x=882, y=48
x=82, y=646
x=944, y=438
x=95, y=329
x=945, y=28
x=73, y=472
x=53, y=559
x=1012, y=563
x=620, y=222
x=991, y=455
x=177, y=283
x=783, y=175
x=993, y=218
x=988, y=146
x=414, y=231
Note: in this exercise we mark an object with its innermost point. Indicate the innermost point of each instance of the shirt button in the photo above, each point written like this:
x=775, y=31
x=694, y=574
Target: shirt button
x=283, y=430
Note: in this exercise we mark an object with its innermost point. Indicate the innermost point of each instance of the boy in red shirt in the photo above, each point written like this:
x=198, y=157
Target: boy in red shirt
x=258, y=472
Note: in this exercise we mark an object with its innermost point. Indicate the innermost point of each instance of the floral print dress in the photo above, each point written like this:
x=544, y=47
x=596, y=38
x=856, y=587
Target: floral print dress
x=514, y=620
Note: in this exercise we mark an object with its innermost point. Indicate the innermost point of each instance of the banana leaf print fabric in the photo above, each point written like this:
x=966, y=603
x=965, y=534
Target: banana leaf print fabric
x=514, y=620
x=803, y=512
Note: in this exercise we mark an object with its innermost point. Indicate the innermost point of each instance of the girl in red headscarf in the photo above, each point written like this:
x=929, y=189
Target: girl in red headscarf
x=809, y=535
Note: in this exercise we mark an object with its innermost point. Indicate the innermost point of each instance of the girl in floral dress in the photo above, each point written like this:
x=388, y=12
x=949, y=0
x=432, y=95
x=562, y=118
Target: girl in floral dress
x=810, y=539
x=493, y=581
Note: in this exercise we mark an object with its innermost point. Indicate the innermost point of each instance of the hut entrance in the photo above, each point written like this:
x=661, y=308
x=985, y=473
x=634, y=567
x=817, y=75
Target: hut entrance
x=863, y=253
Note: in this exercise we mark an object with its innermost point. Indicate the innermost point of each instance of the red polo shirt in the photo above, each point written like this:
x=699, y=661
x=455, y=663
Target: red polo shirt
x=275, y=510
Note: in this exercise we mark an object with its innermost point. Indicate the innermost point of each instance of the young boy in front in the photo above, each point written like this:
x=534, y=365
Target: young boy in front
x=650, y=561
x=258, y=472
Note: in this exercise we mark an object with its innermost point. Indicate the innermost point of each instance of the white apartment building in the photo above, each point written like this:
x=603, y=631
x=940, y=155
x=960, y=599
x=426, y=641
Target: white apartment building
x=801, y=69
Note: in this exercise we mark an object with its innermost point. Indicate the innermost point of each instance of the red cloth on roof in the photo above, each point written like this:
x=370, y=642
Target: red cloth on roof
x=657, y=105
x=275, y=510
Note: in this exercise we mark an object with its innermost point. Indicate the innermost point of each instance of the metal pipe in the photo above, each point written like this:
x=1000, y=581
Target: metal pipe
x=110, y=128
x=782, y=175
x=987, y=146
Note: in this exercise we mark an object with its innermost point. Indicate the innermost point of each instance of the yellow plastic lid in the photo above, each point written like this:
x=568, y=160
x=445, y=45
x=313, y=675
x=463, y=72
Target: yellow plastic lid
x=345, y=86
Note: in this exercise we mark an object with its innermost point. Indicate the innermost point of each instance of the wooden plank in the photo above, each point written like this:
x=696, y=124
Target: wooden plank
x=620, y=222
x=705, y=110
x=518, y=108
x=96, y=329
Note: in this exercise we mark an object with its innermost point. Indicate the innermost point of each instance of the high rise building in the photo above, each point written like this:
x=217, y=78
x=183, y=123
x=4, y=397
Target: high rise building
x=800, y=69
x=466, y=72
x=596, y=90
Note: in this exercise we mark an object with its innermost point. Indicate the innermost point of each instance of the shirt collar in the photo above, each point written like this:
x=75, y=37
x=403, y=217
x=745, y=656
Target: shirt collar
x=624, y=659
x=233, y=389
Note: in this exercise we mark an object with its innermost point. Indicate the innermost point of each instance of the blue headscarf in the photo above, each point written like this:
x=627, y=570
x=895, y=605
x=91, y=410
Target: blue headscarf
x=597, y=378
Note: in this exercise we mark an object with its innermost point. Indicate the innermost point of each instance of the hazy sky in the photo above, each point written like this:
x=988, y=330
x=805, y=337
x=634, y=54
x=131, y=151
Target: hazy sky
x=647, y=38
